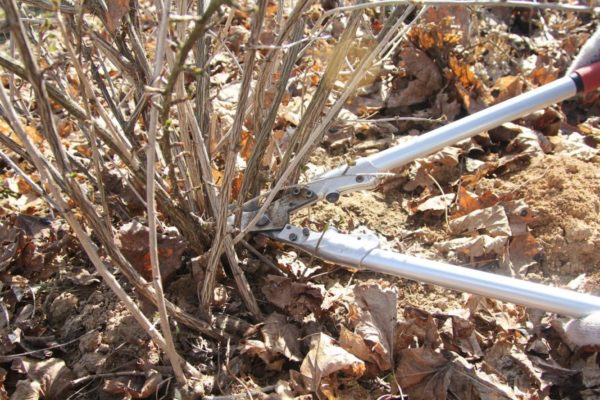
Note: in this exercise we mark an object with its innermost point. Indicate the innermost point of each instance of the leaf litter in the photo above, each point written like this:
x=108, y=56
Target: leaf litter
x=519, y=199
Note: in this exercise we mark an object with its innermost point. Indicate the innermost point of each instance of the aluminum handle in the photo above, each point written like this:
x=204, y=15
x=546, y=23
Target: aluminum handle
x=362, y=251
x=342, y=178
x=474, y=124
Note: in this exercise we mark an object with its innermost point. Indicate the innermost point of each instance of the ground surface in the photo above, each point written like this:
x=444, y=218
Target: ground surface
x=520, y=200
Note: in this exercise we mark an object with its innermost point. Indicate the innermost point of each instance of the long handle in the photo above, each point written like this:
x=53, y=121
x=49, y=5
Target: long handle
x=342, y=179
x=583, y=80
x=362, y=251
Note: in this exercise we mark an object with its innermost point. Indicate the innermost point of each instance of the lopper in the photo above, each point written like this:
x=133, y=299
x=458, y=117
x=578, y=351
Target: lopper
x=363, y=252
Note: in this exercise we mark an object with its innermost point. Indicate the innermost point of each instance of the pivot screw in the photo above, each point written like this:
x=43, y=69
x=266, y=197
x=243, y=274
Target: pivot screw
x=296, y=191
x=360, y=178
x=305, y=231
x=264, y=220
x=293, y=237
x=332, y=197
x=309, y=194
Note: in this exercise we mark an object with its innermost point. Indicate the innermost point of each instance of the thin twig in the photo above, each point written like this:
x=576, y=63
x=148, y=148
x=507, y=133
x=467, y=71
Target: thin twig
x=230, y=163
x=439, y=120
x=86, y=94
x=262, y=258
x=174, y=358
x=10, y=357
x=79, y=381
x=187, y=46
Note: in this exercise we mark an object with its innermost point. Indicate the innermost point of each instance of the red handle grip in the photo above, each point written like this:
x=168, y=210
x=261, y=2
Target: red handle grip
x=590, y=76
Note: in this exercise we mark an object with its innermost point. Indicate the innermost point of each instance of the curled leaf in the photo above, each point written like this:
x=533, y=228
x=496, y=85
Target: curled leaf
x=326, y=358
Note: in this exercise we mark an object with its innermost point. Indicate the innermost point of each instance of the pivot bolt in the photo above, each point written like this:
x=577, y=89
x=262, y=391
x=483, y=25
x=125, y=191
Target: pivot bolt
x=293, y=237
x=332, y=197
x=296, y=191
x=305, y=231
x=360, y=178
x=264, y=220
x=309, y=194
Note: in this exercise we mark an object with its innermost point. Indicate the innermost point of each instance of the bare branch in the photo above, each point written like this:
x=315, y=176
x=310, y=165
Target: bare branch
x=169, y=347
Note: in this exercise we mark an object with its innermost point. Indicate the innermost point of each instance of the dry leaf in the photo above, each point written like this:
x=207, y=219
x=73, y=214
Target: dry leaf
x=524, y=252
x=290, y=262
x=439, y=166
x=466, y=201
x=298, y=299
x=272, y=360
x=428, y=374
x=507, y=87
x=435, y=204
x=491, y=220
x=418, y=328
x=515, y=367
x=428, y=79
x=52, y=375
x=326, y=358
x=355, y=344
x=528, y=141
x=474, y=246
x=464, y=72
x=116, y=11
x=27, y=389
x=282, y=337
x=10, y=240
x=133, y=241
x=423, y=373
x=459, y=336
x=134, y=390
x=373, y=315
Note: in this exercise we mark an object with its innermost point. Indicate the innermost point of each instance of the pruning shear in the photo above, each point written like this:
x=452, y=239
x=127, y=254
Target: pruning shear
x=362, y=251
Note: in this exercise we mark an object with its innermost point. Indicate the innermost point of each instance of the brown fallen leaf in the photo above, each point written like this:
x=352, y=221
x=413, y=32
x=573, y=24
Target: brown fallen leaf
x=134, y=390
x=355, y=344
x=491, y=220
x=373, y=315
x=27, y=389
x=458, y=335
x=507, y=87
x=257, y=348
x=439, y=166
x=133, y=241
x=428, y=79
x=423, y=373
x=52, y=376
x=282, y=337
x=528, y=141
x=297, y=298
x=290, y=262
x=10, y=240
x=514, y=365
x=325, y=358
x=524, y=252
x=429, y=374
x=418, y=327
x=474, y=246
x=116, y=10
x=466, y=202
x=435, y=204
